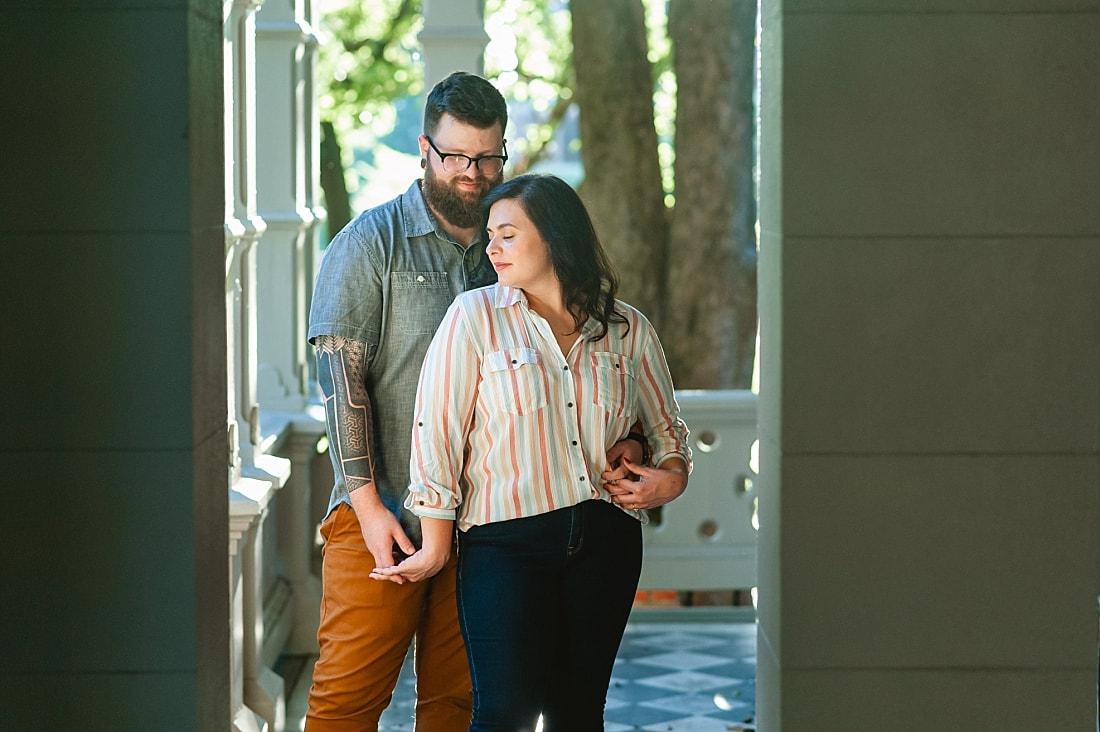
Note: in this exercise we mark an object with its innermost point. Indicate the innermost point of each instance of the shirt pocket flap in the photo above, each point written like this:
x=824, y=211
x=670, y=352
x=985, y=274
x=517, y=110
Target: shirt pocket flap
x=615, y=361
x=511, y=358
x=615, y=386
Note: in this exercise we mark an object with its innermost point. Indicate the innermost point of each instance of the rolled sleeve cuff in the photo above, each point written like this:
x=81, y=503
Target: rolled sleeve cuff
x=658, y=459
x=426, y=503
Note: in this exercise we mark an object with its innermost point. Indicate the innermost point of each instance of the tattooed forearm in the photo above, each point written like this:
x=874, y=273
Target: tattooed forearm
x=341, y=373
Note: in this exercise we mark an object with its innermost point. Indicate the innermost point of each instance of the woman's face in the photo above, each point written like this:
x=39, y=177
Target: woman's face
x=517, y=251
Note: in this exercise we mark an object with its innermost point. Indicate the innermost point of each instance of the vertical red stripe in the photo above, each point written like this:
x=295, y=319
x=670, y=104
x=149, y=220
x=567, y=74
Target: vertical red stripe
x=544, y=455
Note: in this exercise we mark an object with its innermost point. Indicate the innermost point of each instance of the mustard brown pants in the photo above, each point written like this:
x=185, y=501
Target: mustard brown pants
x=366, y=629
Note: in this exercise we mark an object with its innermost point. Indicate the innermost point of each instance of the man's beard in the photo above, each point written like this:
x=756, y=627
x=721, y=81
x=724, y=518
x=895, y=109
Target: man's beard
x=458, y=209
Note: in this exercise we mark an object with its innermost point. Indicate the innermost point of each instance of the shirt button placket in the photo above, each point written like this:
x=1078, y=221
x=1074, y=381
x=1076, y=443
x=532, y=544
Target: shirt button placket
x=577, y=426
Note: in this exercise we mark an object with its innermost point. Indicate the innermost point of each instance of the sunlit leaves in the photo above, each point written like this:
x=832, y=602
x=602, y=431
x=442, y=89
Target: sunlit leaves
x=529, y=56
x=371, y=57
x=368, y=59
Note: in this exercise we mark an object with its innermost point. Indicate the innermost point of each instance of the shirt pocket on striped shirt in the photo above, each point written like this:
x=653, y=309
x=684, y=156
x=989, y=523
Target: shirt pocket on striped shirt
x=516, y=381
x=615, y=385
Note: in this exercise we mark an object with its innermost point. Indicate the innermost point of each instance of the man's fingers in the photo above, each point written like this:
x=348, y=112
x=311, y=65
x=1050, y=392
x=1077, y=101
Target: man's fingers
x=404, y=544
x=382, y=558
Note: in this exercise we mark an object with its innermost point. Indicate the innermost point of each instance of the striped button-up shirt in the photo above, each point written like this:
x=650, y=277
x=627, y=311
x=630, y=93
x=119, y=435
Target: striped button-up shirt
x=507, y=426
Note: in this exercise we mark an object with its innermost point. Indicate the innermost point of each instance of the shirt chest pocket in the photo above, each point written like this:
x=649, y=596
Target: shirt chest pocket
x=515, y=380
x=616, y=384
x=419, y=300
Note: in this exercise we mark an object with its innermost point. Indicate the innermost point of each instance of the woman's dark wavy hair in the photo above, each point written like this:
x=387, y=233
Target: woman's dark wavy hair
x=588, y=284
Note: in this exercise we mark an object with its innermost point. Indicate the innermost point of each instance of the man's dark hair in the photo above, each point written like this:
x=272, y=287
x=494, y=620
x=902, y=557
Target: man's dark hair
x=468, y=98
x=588, y=284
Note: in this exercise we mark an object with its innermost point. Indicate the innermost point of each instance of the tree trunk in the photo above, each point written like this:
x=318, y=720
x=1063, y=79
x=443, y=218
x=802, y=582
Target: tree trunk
x=337, y=201
x=711, y=315
x=622, y=185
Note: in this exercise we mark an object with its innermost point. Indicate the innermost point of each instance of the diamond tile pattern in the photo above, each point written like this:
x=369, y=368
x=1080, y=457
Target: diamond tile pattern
x=668, y=677
x=689, y=677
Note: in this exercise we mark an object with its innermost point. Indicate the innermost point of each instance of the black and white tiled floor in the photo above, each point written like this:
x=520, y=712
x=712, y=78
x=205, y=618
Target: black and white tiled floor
x=668, y=677
x=690, y=677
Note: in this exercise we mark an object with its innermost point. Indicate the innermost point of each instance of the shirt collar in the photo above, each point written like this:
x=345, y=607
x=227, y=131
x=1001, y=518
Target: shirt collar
x=420, y=221
x=507, y=297
x=416, y=216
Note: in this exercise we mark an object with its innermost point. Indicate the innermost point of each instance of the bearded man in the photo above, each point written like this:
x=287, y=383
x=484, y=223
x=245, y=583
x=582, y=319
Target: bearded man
x=383, y=286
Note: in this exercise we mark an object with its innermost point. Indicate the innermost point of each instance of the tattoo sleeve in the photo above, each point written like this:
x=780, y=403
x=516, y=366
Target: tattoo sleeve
x=341, y=374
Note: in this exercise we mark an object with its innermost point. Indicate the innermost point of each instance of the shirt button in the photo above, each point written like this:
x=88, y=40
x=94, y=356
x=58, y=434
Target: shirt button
x=565, y=368
x=574, y=442
x=570, y=405
x=582, y=478
x=420, y=278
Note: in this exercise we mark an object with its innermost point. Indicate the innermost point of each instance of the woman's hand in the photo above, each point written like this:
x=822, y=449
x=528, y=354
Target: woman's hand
x=425, y=562
x=422, y=565
x=654, y=486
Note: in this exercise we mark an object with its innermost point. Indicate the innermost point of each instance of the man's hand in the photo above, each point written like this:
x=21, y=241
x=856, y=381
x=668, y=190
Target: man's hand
x=653, y=487
x=381, y=530
x=420, y=566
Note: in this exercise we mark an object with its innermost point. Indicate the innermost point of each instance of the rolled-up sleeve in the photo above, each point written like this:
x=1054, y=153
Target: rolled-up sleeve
x=660, y=414
x=445, y=400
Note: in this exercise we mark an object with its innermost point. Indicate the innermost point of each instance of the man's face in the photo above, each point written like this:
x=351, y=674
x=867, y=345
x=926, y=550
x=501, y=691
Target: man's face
x=457, y=196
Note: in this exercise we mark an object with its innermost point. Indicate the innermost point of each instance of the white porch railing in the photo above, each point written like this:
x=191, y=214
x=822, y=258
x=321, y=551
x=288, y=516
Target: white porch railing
x=706, y=539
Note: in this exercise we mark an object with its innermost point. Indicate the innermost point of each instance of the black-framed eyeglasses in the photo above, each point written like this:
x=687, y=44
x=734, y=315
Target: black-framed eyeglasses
x=455, y=163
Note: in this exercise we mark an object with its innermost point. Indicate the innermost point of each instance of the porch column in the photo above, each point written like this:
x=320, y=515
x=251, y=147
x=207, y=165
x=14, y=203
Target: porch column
x=257, y=691
x=115, y=599
x=453, y=38
x=255, y=474
x=285, y=133
x=930, y=351
x=286, y=177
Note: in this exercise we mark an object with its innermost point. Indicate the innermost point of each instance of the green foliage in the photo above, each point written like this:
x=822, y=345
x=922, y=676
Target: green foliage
x=370, y=58
x=529, y=56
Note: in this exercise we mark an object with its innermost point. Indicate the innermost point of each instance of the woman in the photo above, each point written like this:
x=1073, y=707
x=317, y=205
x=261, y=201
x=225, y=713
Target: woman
x=525, y=386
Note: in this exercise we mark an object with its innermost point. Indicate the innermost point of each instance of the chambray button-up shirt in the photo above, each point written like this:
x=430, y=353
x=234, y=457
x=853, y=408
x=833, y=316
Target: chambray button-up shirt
x=387, y=279
x=507, y=426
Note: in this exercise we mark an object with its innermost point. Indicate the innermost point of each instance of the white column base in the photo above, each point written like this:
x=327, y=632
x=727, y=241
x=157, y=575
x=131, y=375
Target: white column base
x=266, y=697
x=246, y=720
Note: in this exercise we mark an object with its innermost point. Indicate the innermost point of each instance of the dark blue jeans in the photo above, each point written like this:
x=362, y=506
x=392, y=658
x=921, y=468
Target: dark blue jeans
x=543, y=603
